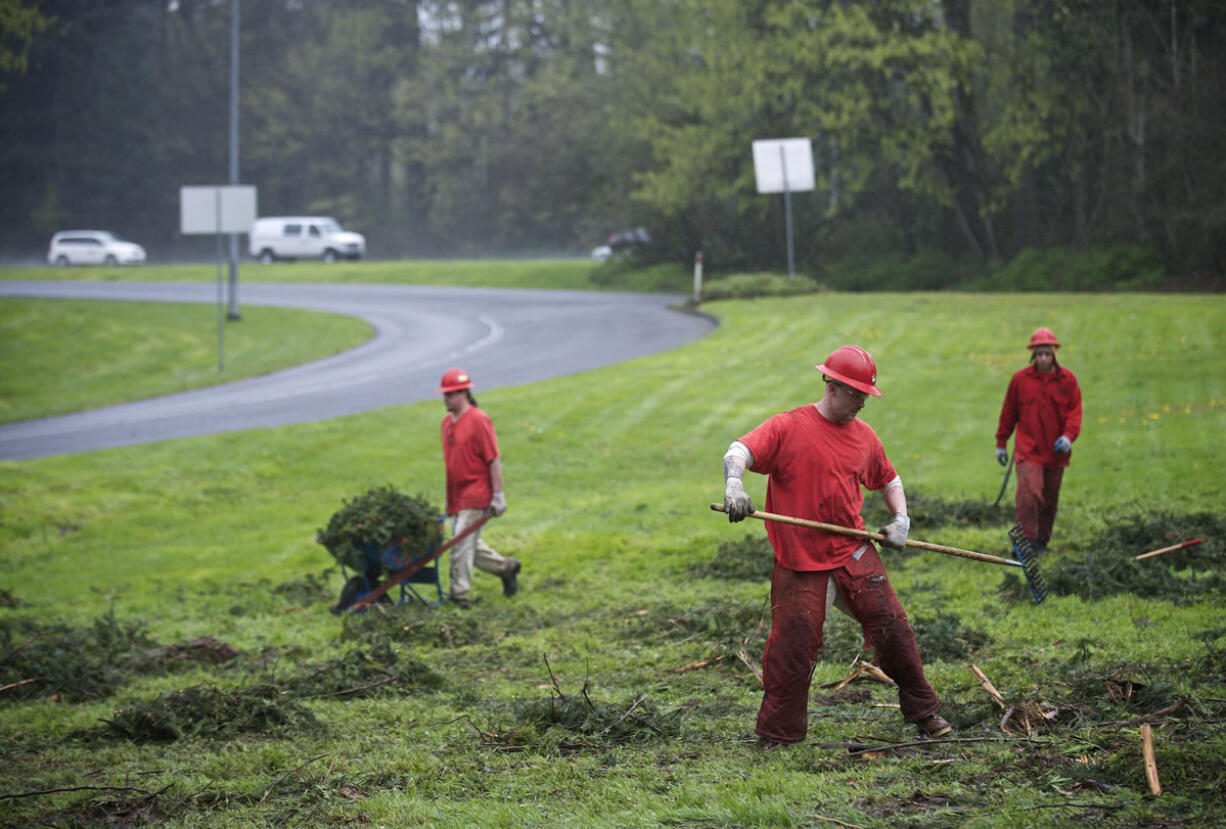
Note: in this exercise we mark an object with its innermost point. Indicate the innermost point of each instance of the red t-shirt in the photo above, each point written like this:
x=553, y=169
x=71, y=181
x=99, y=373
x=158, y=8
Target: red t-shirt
x=469, y=446
x=816, y=470
x=1042, y=407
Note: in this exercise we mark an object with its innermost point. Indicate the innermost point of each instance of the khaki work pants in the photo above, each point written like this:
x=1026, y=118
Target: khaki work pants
x=472, y=550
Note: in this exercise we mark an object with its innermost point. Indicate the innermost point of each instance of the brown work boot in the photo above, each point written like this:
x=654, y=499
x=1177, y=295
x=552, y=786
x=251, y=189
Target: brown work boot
x=462, y=602
x=934, y=726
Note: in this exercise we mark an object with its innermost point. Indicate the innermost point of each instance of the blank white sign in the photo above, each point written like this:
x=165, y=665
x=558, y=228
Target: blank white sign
x=228, y=209
x=781, y=164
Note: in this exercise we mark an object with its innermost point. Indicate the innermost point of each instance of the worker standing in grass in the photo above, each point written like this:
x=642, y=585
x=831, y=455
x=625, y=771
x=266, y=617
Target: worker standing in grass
x=1044, y=403
x=474, y=486
x=818, y=457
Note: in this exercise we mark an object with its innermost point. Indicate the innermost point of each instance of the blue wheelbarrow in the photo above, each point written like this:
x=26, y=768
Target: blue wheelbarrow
x=405, y=570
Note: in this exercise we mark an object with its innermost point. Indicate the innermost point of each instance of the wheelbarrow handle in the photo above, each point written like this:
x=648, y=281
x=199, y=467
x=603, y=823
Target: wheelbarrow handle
x=841, y=530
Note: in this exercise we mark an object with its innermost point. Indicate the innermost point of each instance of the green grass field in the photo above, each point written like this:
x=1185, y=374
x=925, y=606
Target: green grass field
x=69, y=355
x=567, y=274
x=610, y=691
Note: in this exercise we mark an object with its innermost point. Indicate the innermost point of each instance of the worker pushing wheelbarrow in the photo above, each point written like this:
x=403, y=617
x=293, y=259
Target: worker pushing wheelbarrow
x=385, y=531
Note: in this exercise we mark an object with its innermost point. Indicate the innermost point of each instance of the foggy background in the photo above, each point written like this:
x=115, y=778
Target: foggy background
x=953, y=133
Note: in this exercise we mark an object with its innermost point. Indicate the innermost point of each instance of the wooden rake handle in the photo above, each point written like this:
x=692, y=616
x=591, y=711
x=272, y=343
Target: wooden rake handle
x=841, y=530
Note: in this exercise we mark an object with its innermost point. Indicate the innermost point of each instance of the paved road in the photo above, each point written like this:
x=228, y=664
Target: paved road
x=503, y=338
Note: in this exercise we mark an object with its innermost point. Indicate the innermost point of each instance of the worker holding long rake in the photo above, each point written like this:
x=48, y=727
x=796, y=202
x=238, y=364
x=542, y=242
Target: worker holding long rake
x=818, y=458
x=1043, y=402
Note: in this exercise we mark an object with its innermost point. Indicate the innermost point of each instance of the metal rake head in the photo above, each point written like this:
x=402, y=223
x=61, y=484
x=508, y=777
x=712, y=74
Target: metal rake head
x=1024, y=553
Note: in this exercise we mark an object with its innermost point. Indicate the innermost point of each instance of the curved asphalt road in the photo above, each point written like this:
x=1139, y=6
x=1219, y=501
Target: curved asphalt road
x=502, y=337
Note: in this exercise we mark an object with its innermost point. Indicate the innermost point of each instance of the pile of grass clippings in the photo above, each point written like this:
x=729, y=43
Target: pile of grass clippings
x=750, y=559
x=363, y=672
x=408, y=625
x=569, y=723
x=204, y=711
x=71, y=664
x=929, y=513
x=944, y=637
x=725, y=624
x=1096, y=574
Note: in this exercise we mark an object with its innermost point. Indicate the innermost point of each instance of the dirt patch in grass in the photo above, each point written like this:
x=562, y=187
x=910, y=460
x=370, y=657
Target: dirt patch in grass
x=914, y=804
x=203, y=650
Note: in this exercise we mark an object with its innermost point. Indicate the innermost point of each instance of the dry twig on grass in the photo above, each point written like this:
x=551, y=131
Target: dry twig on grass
x=1151, y=764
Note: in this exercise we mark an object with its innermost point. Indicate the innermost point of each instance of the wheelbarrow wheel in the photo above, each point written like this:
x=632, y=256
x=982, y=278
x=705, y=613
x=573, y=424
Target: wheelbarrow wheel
x=351, y=592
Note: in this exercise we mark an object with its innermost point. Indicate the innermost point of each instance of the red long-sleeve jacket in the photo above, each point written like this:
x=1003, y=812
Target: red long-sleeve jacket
x=1042, y=407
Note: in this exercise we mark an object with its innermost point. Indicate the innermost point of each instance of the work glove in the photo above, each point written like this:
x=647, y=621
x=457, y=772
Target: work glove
x=1064, y=444
x=1002, y=456
x=895, y=532
x=499, y=504
x=736, y=500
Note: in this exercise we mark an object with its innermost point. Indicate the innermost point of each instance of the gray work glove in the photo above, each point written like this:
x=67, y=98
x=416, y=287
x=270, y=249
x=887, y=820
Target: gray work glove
x=1002, y=456
x=736, y=500
x=499, y=504
x=1064, y=444
x=895, y=532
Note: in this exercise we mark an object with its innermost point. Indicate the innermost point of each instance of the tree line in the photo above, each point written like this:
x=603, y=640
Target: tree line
x=972, y=130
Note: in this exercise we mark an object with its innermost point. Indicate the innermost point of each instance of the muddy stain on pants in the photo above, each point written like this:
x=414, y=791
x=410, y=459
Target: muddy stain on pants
x=1037, y=499
x=798, y=612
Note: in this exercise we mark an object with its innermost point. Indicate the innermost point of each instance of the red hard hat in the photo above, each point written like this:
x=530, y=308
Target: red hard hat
x=854, y=366
x=454, y=379
x=1043, y=336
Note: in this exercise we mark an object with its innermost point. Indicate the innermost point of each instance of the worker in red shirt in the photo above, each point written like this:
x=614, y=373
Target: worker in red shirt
x=474, y=486
x=819, y=458
x=1044, y=403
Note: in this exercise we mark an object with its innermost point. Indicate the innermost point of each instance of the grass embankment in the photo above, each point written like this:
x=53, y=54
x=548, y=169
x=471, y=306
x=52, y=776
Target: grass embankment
x=608, y=477
x=68, y=355
x=561, y=274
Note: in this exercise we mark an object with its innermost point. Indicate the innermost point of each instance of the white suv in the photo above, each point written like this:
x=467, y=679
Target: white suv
x=93, y=247
x=304, y=237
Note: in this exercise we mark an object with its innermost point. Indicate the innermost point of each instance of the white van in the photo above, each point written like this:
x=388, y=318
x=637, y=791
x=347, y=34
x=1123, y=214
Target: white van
x=304, y=237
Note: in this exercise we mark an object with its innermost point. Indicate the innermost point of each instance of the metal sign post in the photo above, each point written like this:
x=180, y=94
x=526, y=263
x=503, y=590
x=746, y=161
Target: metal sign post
x=218, y=211
x=784, y=165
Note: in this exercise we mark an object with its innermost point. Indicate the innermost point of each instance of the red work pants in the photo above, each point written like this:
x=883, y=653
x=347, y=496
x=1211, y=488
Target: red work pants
x=798, y=611
x=1038, y=495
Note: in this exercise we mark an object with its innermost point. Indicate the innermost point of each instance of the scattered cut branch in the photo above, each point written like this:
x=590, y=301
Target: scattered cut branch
x=692, y=666
x=41, y=792
x=835, y=821
x=753, y=666
x=18, y=684
x=987, y=685
x=268, y=789
x=1146, y=718
x=857, y=668
x=367, y=687
x=1151, y=764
